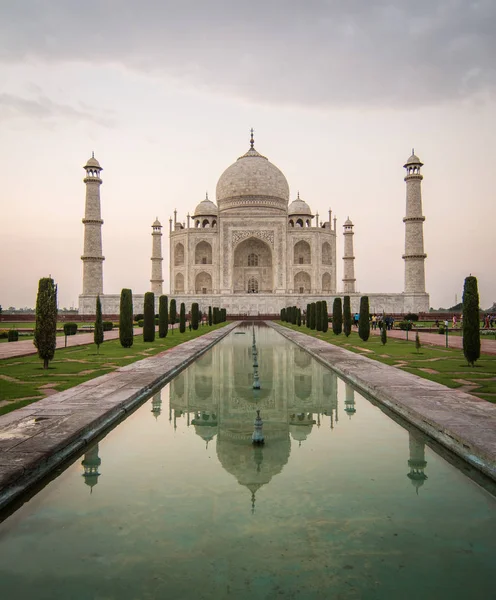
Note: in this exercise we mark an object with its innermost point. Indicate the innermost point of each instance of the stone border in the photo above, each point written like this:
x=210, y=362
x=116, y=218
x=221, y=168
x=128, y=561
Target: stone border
x=464, y=424
x=38, y=438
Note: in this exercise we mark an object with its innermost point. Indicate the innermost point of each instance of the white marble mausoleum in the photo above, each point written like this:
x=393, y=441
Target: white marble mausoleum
x=255, y=251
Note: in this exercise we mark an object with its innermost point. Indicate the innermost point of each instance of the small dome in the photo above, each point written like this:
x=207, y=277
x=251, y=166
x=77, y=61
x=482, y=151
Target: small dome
x=299, y=207
x=413, y=160
x=156, y=223
x=348, y=223
x=206, y=208
x=92, y=163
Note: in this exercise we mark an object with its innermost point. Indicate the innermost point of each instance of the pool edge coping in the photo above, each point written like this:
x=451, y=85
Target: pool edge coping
x=465, y=448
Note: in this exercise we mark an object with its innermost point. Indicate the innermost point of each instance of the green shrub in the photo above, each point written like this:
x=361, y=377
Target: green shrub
x=139, y=317
x=172, y=313
x=141, y=323
x=405, y=325
x=149, y=317
x=471, y=320
x=126, y=334
x=364, y=320
x=45, y=331
x=325, y=316
x=410, y=317
x=194, y=315
x=441, y=329
x=13, y=335
x=163, y=319
x=108, y=326
x=4, y=334
x=182, y=318
x=337, y=316
x=346, y=316
x=98, y=333
x=70, y=328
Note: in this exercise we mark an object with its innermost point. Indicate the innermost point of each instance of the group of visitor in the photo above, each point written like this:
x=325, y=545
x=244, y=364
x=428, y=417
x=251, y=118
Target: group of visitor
x=376, y=321
x=489, y=321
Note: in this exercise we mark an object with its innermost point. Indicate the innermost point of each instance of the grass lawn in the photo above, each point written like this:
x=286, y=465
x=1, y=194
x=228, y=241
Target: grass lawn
x=444, y=365
x=23, y=380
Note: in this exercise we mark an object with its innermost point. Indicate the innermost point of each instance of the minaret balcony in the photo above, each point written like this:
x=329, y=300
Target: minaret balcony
x=420, y=219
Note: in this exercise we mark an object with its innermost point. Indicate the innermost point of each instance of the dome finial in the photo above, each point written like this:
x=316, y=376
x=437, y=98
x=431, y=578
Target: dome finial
x=298, y=194
x=206, y=195
x=413, y=151
x=252, y=141
x=92, y=154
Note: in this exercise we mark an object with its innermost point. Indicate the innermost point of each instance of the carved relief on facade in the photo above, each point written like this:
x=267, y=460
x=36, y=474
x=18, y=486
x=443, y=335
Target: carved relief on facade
x=178, y=254
x=264, y=234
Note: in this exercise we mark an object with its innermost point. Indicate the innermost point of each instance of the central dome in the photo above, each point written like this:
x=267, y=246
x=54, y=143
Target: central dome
x=252, y=181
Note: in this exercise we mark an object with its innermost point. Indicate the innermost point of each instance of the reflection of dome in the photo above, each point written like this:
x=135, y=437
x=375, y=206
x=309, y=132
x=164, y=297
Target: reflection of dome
x=206, y=208
x=205, y=425
x=299, y=207
x=253, y=466
x=252, y=181
x=300, y=426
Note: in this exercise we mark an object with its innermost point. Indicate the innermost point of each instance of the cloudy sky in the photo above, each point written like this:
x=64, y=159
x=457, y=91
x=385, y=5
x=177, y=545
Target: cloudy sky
x=165, y=93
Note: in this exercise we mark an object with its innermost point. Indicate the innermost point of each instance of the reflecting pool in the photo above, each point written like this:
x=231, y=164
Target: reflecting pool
x=176, y=502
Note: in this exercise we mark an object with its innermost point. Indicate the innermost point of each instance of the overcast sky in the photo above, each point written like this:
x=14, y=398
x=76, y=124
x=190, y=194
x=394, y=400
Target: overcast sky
x=165, y=93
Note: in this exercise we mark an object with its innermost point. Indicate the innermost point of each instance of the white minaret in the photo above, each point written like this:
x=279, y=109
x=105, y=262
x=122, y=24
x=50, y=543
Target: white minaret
x=348, y=259
x=414, y=229
x=92, y=253
x=157, y=279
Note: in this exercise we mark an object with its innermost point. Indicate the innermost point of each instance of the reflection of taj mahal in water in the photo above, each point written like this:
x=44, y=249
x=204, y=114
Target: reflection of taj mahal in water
x=298, y=394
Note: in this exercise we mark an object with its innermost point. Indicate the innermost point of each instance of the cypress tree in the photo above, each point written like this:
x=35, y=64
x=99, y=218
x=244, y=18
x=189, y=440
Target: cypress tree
x=364, y=320
x=172, y=314
x=98, y=333
x=299, y=317
x=163, y=317
x=149, y=317
x=471, y=324
x=126, y=319
x=283, y=314
x=210, y=315
x=294, y=315
x=337, y=316
x=346, y=316
x=224, y=315
x=45, y=330
x=307, y=316
x=383, y=334
x=194, y=315
x=182, y=318
x=318, y=316
x=312, y=315
x=325, y=316
x=418, y=345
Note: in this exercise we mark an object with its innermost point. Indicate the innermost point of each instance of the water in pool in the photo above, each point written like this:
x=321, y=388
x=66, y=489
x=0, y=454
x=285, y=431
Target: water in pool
x=176, y=502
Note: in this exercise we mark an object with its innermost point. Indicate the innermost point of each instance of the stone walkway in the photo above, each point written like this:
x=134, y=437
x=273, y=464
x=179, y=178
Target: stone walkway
x=27, y=347
x=435, y=339
x=36, y=439
x=464, y=424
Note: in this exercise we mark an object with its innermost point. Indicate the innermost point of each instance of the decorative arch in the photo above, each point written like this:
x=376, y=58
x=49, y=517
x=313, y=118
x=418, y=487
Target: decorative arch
x=179, y=255
x=302, y=253
x=203, y=253
x=179, y=282
x=203, y=283
x=326, y=282
x=253, y=285
x=302, y=283
x=253, y=259
x=303, y=386
x=206, y=223
x=326, y=254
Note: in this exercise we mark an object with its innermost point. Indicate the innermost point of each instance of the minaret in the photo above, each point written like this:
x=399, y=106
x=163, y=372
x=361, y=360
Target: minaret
x=157, y=279
x=92, y=254
x=417, y=462
x=348, y=259
x=91, y=464
x=414, y=229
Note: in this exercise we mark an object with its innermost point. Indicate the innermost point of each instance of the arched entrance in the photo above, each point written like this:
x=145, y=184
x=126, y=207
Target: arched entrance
x=252, y=270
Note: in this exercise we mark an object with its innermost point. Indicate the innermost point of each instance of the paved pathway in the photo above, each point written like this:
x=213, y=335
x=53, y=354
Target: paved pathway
x=36, y=439
x=435, y=339
x=464, y=424
x=27, y=347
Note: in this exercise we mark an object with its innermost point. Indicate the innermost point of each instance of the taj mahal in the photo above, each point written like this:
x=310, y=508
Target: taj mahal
x=255, y=251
